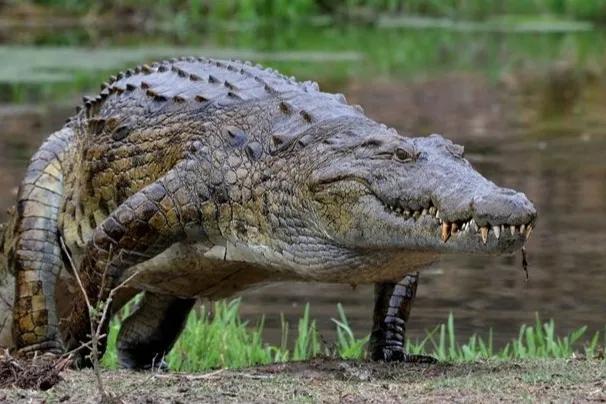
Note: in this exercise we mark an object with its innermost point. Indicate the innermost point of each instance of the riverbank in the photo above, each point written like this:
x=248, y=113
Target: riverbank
x=322, y=380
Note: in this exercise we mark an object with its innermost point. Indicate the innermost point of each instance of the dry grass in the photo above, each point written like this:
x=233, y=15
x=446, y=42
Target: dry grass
x=324, y=380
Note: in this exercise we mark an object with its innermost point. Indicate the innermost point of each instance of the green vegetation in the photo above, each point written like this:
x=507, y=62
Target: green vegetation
x=199, y=12
x=402, y=40
x=223, y=340
x=330, y=55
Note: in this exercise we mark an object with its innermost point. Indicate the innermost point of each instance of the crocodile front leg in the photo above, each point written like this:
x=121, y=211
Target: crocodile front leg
x=393, y=302
x=140, y=228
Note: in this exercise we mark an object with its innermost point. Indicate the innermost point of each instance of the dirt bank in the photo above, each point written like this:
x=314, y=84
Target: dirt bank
x=351, y=382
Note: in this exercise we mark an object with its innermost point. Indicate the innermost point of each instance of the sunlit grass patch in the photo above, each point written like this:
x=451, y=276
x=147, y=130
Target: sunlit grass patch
x=224, y=340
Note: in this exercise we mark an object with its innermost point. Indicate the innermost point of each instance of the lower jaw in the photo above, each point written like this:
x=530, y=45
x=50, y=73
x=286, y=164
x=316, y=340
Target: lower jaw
x=472, y=244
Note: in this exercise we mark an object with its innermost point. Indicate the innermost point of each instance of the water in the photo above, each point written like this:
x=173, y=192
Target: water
x=530, y=110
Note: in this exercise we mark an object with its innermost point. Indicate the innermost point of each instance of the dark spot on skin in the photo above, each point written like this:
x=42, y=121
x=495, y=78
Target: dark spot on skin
x=285, y=108
x=195, y=147
x=236, y=136
x=130, y=87
x=120, y=133
x=219, y=194
x=122, y=188
x=254, y=150
x=103, y=208
x=201, y=98
x=91, y=221
x=306, y=116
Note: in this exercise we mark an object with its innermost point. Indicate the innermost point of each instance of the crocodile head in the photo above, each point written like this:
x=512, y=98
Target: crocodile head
x=375, y=189
x=354, y=201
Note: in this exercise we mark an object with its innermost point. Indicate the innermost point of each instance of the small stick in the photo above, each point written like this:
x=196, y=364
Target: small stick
x=525, y=262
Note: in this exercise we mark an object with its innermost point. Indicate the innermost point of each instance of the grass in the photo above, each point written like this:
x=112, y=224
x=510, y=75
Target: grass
x=223, y=340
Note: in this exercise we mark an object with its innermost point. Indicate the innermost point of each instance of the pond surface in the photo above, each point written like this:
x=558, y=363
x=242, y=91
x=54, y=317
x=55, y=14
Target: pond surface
x=529, y=108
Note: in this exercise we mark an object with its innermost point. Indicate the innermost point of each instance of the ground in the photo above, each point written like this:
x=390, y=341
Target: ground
x=324, y=380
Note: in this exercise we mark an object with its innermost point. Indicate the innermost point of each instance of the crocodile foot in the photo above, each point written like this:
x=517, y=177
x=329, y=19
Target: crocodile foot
x=398, y=355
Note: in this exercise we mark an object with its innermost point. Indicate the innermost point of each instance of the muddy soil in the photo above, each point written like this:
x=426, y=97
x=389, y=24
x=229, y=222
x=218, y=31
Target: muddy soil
x=327, y=380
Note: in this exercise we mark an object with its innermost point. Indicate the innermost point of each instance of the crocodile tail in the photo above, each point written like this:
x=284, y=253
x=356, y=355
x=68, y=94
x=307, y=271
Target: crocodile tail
x=7, y=290
x=35, y=255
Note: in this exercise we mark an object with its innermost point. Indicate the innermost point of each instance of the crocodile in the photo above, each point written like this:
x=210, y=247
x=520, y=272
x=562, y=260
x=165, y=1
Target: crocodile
x=199, y=178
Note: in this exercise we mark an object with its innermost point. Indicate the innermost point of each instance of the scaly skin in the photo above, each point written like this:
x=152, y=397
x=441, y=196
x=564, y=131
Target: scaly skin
x=203, y=177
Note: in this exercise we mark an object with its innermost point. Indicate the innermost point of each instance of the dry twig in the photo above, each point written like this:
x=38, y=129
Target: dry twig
x=98, y=315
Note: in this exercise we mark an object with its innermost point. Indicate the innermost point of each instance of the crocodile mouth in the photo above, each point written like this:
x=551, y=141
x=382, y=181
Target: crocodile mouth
x=427, y=216
x=458, y=228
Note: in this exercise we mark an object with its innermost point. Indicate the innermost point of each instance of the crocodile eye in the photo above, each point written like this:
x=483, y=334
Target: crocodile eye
x=402, y=154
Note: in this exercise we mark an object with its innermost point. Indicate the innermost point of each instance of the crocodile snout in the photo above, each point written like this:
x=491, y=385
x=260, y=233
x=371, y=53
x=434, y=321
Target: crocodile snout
x=503, y=207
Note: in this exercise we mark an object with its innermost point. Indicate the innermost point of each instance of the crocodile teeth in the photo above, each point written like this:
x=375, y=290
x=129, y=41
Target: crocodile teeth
x=445, y=231
x=454, y=228
x=528, y=231
x=497, y=231
x=437, y=214
x=512, y=229
x=407, y=212
x=432, y=211
x=523, y=229
x=473, y=225
x=424, y=212
x=484, y=233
